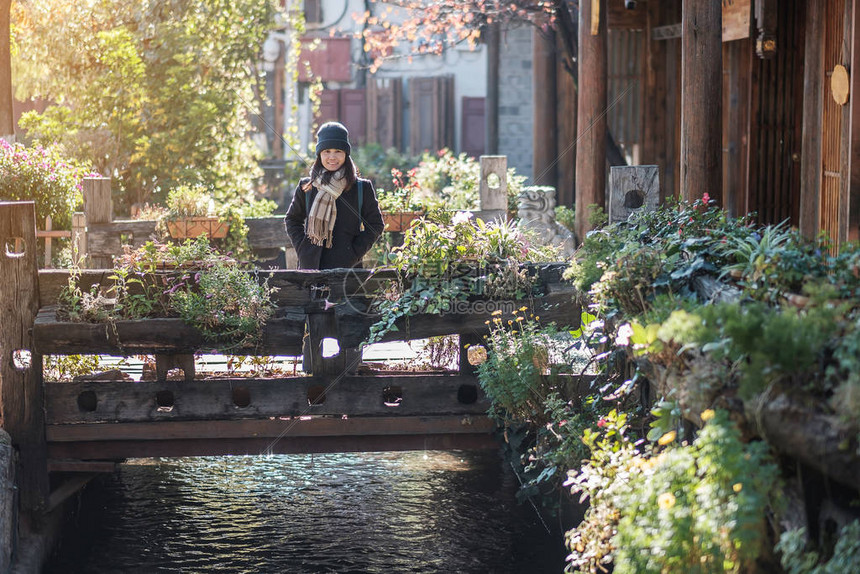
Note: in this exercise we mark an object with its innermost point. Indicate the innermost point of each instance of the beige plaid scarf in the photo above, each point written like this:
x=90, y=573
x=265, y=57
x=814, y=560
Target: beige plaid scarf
x=320, y=222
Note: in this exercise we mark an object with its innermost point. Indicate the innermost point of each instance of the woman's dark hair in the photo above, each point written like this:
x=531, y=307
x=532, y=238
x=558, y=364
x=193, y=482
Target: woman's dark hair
x=349, y=172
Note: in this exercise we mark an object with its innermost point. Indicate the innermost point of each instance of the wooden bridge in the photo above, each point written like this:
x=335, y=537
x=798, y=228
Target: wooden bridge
x=65, y=430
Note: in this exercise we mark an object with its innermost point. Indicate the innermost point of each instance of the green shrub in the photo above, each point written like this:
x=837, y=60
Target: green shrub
x=41, y=175
x=697, y=508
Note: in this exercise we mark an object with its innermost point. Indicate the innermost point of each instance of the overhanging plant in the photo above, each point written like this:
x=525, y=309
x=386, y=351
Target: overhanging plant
x=446, y=258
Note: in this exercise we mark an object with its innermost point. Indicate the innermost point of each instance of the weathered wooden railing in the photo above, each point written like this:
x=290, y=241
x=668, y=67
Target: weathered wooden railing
x=332, y=410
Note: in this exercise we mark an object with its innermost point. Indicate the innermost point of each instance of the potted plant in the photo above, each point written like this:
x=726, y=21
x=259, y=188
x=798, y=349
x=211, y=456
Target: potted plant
x=400, y=206
x=191, y=213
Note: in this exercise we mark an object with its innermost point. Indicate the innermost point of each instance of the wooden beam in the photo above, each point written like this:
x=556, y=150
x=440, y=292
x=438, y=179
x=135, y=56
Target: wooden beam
x=234, y=398
x=84, y=466
x=810, y=161
x=255, y=437
x=271, y=428
x=591, y=112
x=21, y=390
x=701, y=97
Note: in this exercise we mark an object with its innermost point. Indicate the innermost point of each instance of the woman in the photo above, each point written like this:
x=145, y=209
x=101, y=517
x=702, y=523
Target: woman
x=334, y=218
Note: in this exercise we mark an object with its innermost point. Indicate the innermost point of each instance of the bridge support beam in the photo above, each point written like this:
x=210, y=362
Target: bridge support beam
x=22, y=406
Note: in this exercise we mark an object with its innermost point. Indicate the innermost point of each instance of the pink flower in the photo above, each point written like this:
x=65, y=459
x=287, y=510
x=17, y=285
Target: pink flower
x=601, y=423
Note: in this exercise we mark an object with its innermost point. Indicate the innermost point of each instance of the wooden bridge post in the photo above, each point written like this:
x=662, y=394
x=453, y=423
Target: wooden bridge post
x=98, y=208
x=22, y=406
x=632, y=188
x=323, y=326
x=493, y=190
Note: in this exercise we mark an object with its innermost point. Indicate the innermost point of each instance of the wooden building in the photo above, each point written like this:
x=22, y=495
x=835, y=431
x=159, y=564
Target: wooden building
x=761, y=119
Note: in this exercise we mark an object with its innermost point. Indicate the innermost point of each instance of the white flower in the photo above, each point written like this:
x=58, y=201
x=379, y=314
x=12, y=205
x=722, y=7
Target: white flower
x=461, y=217
x=622, y=338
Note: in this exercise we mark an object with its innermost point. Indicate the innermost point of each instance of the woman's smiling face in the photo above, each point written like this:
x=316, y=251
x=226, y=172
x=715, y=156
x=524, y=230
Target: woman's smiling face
x=332, y=159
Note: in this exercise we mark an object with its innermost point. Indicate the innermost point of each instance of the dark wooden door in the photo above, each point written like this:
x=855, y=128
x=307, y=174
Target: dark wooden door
x=776, y=121
x=472, y=138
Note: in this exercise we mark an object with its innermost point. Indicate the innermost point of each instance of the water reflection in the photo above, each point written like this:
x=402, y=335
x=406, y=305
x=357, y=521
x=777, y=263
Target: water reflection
x=372, y=512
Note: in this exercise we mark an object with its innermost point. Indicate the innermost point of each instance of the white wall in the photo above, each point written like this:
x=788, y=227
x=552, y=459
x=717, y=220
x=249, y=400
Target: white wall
x=469, y=68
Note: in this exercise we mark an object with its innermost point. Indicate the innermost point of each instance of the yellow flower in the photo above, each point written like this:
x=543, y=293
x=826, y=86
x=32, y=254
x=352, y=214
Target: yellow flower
x=496, y=312
x=708, y=415
x=666, y=500
x=737, y=487
x=524, y=308
x=667, y=438
x=519, y=319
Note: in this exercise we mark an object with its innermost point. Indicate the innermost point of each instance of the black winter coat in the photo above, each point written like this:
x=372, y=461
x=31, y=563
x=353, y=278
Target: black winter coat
x=349, y=242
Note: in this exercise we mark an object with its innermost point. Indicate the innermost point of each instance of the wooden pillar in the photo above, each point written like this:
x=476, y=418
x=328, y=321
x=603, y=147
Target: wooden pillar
x=854, y=103
x=591, y=112
x=7, y=117
x=810, y=160
x=21, y=394
x=566, y=119
x=492, y=109
x=654, y=118
x=98, y=208
x=544, y=95
x=701, y=99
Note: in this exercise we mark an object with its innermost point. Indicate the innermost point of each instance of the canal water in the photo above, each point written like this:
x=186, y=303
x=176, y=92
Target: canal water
x=393, y=512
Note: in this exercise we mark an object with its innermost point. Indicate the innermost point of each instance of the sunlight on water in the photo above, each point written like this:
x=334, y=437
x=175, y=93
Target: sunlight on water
x=420, y=511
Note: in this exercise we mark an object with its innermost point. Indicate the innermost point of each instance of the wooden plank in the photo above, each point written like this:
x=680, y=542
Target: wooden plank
x=119, y=450
x=293, y=287
x=98, y=208
x=271, y=428
x=281, y=336
x=736, y=19
x=219, y=399
x=85, y=466
x=21, y=391
x=810, y=162
x=701, y=86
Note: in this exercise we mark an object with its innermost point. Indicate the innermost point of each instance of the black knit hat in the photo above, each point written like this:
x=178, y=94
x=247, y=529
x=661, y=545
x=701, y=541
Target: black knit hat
x=332, y=135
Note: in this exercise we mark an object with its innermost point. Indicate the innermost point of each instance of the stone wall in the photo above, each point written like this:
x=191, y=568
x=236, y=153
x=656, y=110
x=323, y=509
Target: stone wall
x=516, y=105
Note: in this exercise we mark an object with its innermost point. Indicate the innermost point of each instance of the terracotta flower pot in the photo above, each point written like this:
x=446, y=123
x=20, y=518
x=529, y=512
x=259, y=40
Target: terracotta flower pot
x=399, y=221
x=192, y=227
